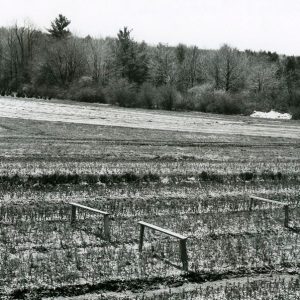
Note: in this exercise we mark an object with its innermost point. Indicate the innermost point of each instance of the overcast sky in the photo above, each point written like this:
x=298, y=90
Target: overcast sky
x=272, y=25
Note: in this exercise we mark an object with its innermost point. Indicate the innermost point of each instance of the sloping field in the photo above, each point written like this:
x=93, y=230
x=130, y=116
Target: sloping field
x=136, y=118
x=194, y=180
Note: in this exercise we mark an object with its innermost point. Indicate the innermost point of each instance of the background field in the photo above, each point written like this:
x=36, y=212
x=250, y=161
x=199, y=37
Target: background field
x=193, y=177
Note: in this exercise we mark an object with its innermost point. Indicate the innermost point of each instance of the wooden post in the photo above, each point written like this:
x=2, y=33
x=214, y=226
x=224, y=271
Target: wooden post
x=250, y=206
x=73, y=214
x=142, y=229
x=183, y=254
x=182, y=241
x=285, y=207
x=106, y=227
x=286, y=215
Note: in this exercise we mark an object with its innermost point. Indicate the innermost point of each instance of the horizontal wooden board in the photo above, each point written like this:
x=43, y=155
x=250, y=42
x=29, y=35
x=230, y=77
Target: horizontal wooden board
x=166, y=231
x=90, y=208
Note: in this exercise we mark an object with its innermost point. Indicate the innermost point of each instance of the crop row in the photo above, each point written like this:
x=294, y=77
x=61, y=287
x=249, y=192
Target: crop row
x=125, y=230
x=160, y=168
x=198, y=210
x=187, y=190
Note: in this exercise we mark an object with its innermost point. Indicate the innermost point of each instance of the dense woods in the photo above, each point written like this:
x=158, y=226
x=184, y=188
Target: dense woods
x=121, y=71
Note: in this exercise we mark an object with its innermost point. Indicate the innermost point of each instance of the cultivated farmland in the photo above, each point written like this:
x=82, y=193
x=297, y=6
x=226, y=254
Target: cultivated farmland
x=194, y=179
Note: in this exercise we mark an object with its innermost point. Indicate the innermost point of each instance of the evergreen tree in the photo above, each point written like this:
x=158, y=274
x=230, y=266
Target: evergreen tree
x=180, y=51
x=131, y=58
x=59, y=27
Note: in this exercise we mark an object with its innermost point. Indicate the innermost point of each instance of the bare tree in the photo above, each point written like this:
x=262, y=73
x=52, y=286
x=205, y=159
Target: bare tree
x=99, y=59
x=20, y=45
x=188, y=67
x=65, y=62
x=227, y=68
x=194, y=64
x=214, y=69
x=162, y=64
x=262, y=76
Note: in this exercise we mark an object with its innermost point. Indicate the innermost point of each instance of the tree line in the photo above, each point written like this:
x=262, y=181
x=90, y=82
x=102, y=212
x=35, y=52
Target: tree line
x=121, y=71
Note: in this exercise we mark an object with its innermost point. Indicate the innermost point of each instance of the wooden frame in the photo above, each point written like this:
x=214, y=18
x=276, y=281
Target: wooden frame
x=285, y=207
x=182, y=241
x=104, y=213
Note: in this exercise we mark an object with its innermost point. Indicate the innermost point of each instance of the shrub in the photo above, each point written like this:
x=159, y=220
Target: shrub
x=27, y=90
x=199, y=90
x=216, y=101
x=186, y=103
x=86, y=94
x=295, y=108
x=224, y=103
x=148, y=96
x=295, y=112
x=168, y=97
x=121, y=92
x=43, y=91
x=200, y=96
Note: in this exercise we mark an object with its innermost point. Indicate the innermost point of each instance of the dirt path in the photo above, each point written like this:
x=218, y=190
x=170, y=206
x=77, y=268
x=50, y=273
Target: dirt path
x=158, y=285
x=186, y=287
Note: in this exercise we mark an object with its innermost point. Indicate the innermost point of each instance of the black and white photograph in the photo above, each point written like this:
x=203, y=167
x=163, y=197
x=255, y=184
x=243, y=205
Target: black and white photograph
x=150, y=150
